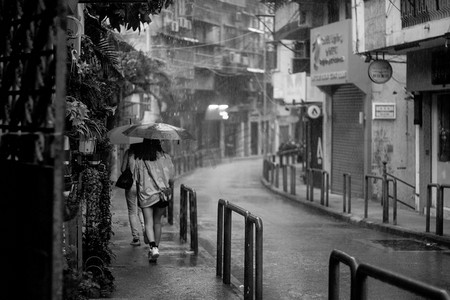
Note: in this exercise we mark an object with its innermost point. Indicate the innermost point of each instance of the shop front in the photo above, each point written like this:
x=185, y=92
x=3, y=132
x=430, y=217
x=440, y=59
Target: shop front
x=343, y=77
x=428, y=79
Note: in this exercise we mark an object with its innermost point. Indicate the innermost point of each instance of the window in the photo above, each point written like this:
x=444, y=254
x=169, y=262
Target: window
x=444, y=127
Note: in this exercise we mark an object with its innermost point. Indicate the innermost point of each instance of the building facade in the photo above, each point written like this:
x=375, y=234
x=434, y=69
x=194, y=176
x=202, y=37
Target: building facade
x=419, y=30
x=214, y=53
x=363, y=123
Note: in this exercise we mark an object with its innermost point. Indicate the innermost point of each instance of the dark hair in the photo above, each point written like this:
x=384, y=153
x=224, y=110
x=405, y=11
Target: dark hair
x=148, y=149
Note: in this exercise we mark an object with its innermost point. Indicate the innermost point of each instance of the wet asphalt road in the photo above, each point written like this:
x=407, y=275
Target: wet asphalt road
x=298, y=241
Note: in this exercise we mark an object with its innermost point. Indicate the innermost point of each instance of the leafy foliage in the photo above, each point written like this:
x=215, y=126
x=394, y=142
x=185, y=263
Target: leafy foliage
x=98, y=228
x=131, y=16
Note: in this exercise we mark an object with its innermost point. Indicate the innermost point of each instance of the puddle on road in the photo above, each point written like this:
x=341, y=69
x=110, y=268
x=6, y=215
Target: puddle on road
x=409, y=245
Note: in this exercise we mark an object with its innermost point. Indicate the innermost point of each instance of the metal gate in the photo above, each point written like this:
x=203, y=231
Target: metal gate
x=347, y=138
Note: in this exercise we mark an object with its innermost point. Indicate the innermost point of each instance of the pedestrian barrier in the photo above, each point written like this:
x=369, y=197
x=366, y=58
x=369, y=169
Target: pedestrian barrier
x=366, y=193
x=325, y=186
x=347, y=193
x=408, y=284
x=293, y=177
x=170, y=207
x=223, y=264
x=337, y=257
x=359, y=272
x=439, y=207
x=187, y=194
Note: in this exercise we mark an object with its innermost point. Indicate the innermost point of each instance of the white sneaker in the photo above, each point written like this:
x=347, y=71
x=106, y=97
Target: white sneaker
x=155, y=252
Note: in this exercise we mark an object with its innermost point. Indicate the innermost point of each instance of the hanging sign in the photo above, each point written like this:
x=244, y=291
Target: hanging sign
x=313, y=111
x=380, y=71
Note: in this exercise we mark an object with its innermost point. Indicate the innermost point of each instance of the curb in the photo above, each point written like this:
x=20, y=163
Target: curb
x=359, y=221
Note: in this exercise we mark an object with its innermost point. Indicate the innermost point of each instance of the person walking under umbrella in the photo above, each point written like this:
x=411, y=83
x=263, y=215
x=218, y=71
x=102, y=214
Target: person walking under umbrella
x=134, y=214
x=153, y=172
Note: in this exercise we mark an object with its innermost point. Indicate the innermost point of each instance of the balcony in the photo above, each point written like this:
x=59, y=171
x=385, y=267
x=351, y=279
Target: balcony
x=414, y=12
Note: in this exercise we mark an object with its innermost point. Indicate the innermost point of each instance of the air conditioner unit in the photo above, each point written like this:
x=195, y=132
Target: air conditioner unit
x=175, y=27
x=235, y=57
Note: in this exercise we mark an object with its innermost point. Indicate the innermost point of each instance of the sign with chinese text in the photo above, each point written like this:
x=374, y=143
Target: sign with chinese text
x=330, y=48
x=384, y=111
x=380, y=71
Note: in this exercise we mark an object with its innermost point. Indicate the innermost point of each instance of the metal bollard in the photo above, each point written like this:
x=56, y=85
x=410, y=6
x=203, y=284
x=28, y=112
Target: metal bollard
x=347, y=193
x=293, y=179
x=337, y=257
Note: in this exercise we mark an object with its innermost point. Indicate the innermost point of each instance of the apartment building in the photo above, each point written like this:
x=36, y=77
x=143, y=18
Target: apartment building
x=214, y=53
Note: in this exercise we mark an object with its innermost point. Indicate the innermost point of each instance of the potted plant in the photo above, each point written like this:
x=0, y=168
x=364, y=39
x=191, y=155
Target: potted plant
x=80, y=126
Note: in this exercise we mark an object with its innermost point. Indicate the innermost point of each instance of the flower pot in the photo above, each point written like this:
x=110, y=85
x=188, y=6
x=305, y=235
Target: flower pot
x=86, y=146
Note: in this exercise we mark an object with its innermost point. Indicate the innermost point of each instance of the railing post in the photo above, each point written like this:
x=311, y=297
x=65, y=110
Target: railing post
x=293, y=180
x=171, y=204
x=277, y=176
x=308, y=182
x=311, y=185
x=385, y=192
x=327, y=190
x=259, y=259
x=394, y=204
x=337, y=257
x=322, y=189
x=227, y=246
x=366, y=196
x=193, y=221
x=349, y=178
x=440, y=211
x=183, y=213
x=344, y=192
x=219, y=250
x=248, y=259
x=285, y=168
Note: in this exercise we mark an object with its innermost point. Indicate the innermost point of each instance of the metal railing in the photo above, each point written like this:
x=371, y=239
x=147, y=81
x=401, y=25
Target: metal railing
x=347, y=193
x=337, y=257
x=366, y=193
x=405, y=283
x=170, y=206
x=359, y=272
x=439, y=207
x=223, y=266
x=325, y=186
x=187, y=194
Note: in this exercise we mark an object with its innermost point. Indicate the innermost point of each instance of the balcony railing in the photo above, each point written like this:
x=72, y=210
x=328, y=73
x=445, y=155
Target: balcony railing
x=415, y=12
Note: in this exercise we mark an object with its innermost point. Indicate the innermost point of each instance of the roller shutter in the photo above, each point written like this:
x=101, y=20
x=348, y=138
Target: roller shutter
x=347, y=138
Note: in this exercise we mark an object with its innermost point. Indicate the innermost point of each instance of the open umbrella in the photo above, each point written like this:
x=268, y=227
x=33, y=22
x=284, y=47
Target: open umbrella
x=116, y=136
x=158, y=131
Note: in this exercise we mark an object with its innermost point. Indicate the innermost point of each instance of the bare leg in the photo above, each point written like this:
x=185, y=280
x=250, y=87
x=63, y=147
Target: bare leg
x=148, y=223
x=157, y=214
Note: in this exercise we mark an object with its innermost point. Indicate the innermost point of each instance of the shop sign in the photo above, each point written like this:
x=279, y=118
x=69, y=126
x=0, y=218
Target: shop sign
x=384, y=111
x=380, y=71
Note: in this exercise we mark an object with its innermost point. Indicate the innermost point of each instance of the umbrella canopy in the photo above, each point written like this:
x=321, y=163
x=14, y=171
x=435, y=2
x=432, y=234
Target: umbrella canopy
x=116, y=136
x=158, y=131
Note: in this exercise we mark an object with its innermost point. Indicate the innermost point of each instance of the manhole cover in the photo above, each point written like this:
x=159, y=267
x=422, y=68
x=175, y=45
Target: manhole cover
x=408, y=245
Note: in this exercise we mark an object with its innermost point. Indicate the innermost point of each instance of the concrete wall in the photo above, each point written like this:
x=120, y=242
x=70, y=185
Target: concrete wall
x=393, y=141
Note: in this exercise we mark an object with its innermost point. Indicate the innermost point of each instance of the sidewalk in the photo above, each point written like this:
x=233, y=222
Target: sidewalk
x=410, y=224
x=178, y=274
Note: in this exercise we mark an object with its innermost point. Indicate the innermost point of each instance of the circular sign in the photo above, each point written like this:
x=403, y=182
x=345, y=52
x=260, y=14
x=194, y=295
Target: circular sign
x=313, y=111
x=380, y=71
